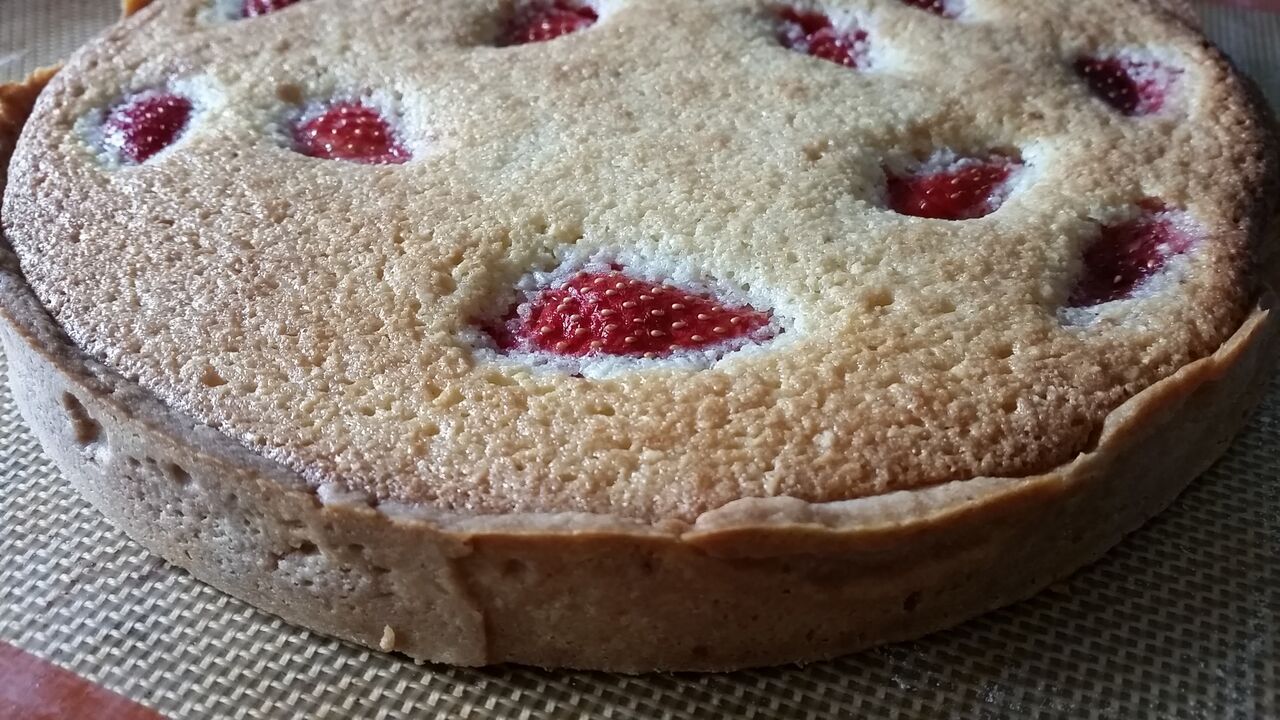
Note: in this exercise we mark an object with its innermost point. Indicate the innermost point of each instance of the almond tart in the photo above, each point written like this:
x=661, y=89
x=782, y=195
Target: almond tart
x=637, y=334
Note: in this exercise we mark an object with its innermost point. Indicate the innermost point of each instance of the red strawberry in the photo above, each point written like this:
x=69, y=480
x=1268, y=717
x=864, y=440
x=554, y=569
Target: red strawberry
x=144, y=125
x=1127, y=254
x=254, y=8
x=1134, y=87
x=542, y=21
x=611, y=313
x=937, y=7
x=966, y=188
x=812, y=32
x=353, y=131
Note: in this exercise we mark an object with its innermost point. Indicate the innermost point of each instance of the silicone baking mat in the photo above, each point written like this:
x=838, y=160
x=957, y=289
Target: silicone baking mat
x=1182, y=620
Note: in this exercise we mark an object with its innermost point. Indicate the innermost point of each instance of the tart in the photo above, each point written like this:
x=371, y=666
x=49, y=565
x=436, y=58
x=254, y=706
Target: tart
x=637, y=334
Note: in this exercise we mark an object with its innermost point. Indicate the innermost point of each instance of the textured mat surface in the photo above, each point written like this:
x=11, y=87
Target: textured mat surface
x=1182, y=620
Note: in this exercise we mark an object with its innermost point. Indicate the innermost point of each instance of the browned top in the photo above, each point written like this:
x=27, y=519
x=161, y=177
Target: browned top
x=318, y=310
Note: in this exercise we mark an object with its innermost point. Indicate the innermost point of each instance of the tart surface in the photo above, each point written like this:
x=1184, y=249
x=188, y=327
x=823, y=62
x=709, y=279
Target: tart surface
x=328, y=313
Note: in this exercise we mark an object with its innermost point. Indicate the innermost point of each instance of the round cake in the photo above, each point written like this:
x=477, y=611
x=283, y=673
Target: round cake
x=637, y=334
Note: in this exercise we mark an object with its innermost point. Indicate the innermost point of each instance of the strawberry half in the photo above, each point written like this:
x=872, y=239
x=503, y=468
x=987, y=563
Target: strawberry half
x=352, y=131
x=963, y=189
x=543, y=21
x=1132, y=86
x=254, y=8
x=812, y=32
x=611, y=313
x=145, y=124
x=941, y=8
x=1126, y=255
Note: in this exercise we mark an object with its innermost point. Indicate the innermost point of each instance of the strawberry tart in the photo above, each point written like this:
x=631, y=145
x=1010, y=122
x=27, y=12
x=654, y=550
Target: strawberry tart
x=637, y=334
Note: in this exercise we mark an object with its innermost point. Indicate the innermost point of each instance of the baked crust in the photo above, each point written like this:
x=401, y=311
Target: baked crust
x=756, y=581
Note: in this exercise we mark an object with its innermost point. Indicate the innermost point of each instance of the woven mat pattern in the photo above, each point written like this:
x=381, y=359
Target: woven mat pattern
x=1182, y=620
